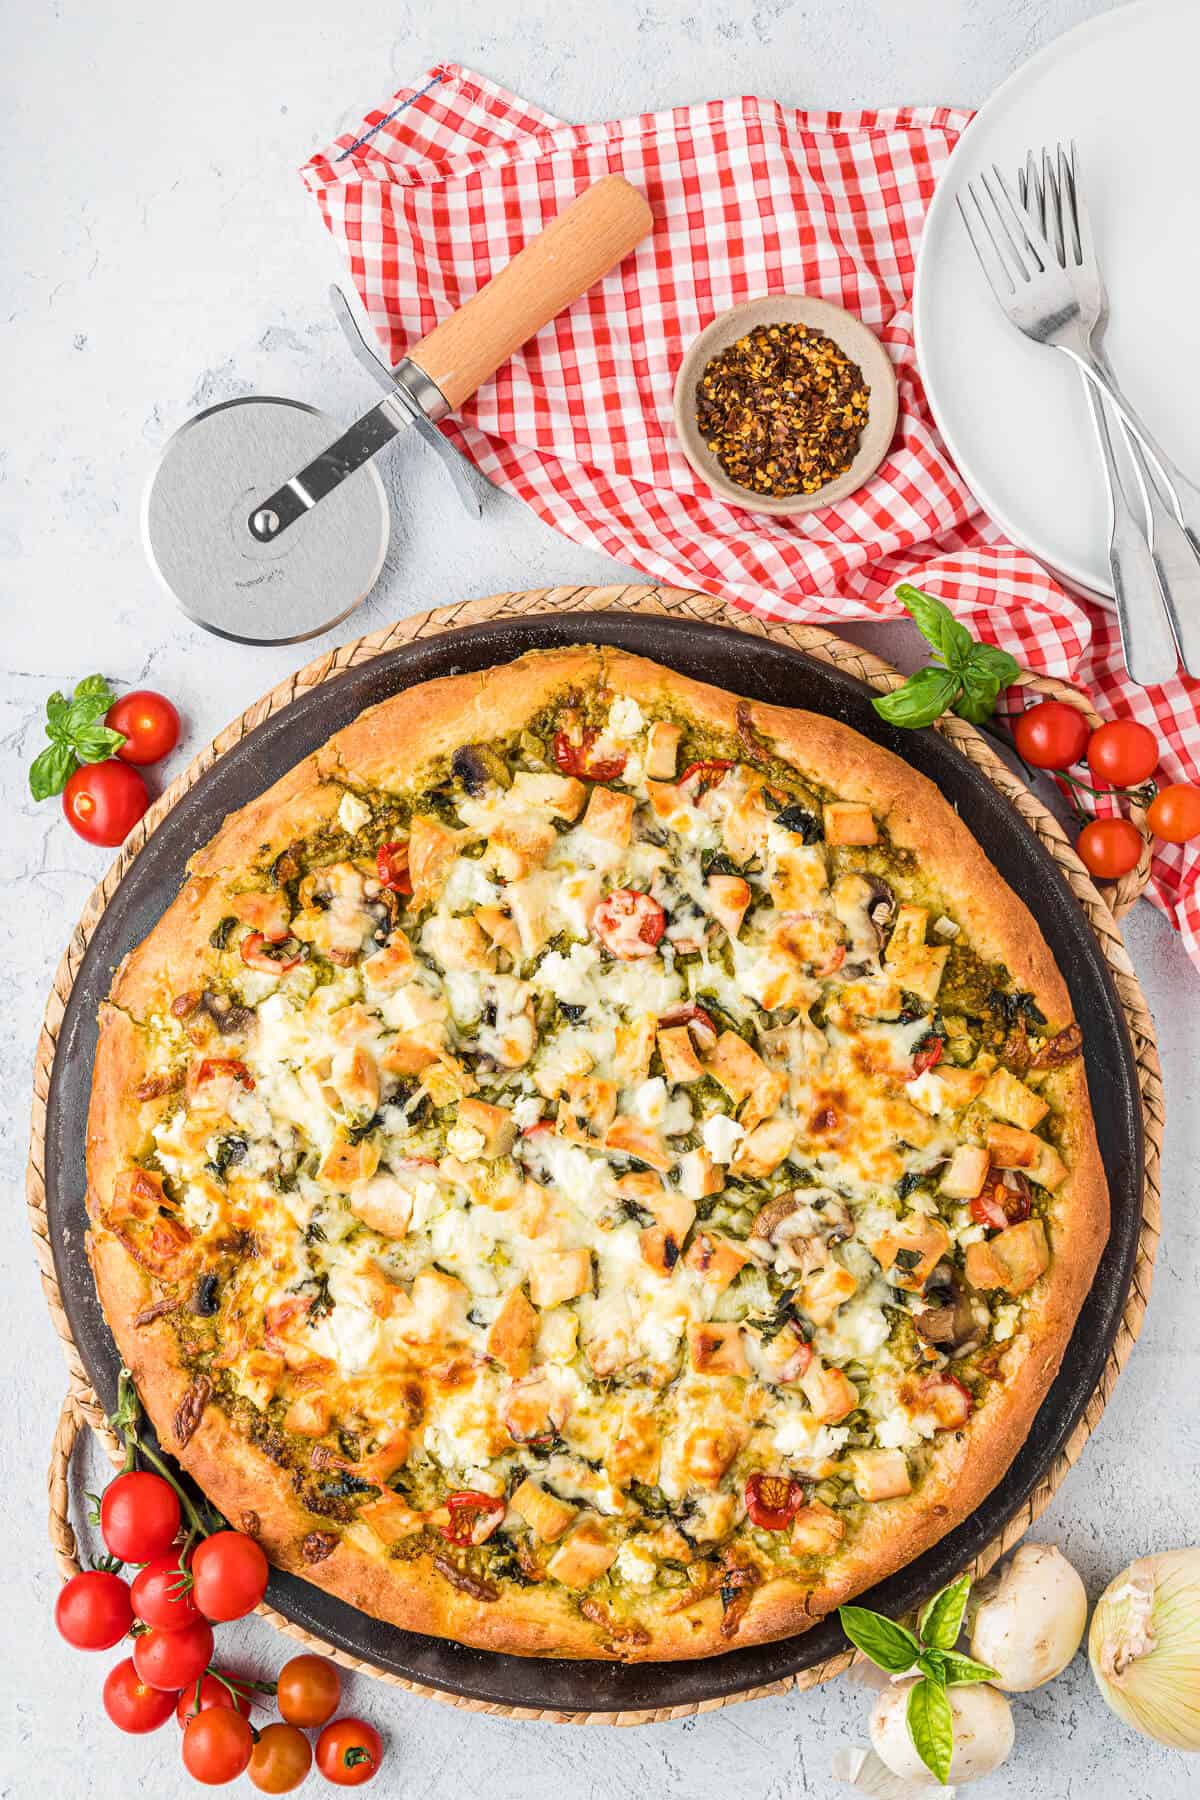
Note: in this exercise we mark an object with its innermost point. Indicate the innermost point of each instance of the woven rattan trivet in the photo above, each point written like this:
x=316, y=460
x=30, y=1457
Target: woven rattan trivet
x=82, y=1406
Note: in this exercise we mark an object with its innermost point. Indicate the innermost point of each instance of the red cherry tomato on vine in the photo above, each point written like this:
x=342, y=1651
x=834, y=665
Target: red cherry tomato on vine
x=1174, y=813
x=1109, y=848
x=93, y=1610
x=162, y=1594
x=230, y=1573
x=629, y=924
x=280, y=1759
x=104, y=801
x=149, y=722
x=217, y=1746
x=139, y=1516
x=773, y=1501
x=349, y=1752
x=131, y=1703
x=219, y=1688
x=172, y=1659
x=1122, y=753
x=308, y=1690
x=1050, y=735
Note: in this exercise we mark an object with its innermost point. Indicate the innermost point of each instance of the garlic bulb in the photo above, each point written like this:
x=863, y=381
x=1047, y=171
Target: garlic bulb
x=1144, y=1647
x=983, y=1732
x=1029, y=1618
x=860, y=1768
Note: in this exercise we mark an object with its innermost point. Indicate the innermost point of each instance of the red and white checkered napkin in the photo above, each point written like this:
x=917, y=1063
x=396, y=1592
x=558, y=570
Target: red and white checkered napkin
x=438, y=188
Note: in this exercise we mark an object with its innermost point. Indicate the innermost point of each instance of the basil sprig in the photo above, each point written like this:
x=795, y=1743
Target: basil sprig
x=963, y=676
x=928, y=1653
x=77, y=734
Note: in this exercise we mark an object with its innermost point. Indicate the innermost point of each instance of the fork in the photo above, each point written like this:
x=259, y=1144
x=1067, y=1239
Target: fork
x=1035, y=291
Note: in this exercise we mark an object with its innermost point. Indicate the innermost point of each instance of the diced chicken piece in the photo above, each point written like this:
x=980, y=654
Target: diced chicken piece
x=495, y=1122
x=533, y=1411
x=830, y=1393
x=354, y=1077
x=501, y=928
x=679, y=1059
x=667, y=800
x=634, y=1048
x=637, y=1449
x=513, y=1330
x=1010, y=1099
x=439, y=1304
x=308, y=1415
x=448, y=1080
x=1013, y=1260
x=717, y=1260
x=458, y=943
x=960, y=1086
x=392, y=967
x=584, y=1555
x=431, y=850
x=965, y=1173
x=587, y=1111
x=1012, y=1148
x=799, y=877
x=784, y=1356
x=662, y=750
x=916, y=966
x=737, y=1066
x=558, y=1336
x=259, y=1376
x=881, y=1474
x=746, y=825
x=346, y=1163
x=825, y=1290
x=527, y=904
x=639, y=1141
x=699, y=1175
x=384, y=1204
x=544, y=1513
x=717, y=1349
x=519, y=844
x=409, y=1056
x=562, y=795
x=265, y=912
x=610, y=815
x=849, y=822
x=668, y=1206
x=727, y=897
x=660, y=1249
x=763, y=1100
x=910, y=1251
x=704, y=1455
x=762, y=1150
x=391, y=1519
x=816, y=1530
x=558, y=1275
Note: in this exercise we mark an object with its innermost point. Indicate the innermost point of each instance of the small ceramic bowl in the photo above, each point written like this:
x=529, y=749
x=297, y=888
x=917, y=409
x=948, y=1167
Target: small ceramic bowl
x=850, y=335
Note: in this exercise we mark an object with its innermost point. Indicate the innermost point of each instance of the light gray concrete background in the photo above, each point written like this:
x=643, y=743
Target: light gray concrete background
x=158, y=254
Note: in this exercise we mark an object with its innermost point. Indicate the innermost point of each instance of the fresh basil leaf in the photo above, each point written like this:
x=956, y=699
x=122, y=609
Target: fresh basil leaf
x=932, y=1663
x=890, y=1646
x=96, y=743
x=977, y=702
x=997, y=662
x=84, y=711
x=962, y=1669
x=938, y=626
x=95, y=686
x=923, y=698
x=931, y=1728
x=56, y=714
x=51, y=771
x=941, y=1620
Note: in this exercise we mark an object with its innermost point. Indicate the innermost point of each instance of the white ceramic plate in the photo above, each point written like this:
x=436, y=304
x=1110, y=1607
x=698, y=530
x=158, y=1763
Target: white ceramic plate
x=1126, y=87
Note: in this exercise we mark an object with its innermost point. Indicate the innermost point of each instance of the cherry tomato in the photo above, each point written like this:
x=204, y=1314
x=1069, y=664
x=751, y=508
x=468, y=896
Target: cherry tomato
x=928, y=1053
x=579, y=759
x=104, y=801
x=391, y=861
x=698, y=1022
x=473, y=1516
x=280, y=1760
x=629, y=924
x=947, y=1399
x=709, y=773
x=139, y=1516
x=131, y=1703
x=1174, y=813
x=162, y=1594
x=308, y=1690
x=217, y=1746
x=270, y=959
x=93, y=1610
x=1109, y=848
x=349, y=1752
x=150, y=724
x=172, y=1659
x=1050, y=735
x=211, y=1067
x=1122, y=753
x=219, y=1688
x=230, y=1573
x=773, y=1501
x=1003, y=1202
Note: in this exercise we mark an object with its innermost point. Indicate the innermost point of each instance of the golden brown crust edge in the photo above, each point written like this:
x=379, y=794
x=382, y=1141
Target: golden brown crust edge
x=427, y=721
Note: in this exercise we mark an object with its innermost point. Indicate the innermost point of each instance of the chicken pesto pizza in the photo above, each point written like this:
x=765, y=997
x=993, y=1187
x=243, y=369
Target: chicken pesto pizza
x=589, y=1166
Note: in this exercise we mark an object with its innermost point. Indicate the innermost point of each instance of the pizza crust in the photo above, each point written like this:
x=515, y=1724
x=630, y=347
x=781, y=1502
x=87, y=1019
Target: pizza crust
x=387, y=746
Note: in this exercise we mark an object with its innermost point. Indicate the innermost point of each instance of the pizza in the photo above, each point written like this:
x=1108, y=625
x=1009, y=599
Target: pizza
x=591, y=1166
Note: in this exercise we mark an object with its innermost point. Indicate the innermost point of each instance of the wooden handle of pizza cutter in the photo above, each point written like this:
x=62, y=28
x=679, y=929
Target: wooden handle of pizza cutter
x=576, y=249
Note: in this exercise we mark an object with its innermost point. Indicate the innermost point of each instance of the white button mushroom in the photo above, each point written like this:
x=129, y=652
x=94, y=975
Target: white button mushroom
x=1029, y=1618
x=983, y=1732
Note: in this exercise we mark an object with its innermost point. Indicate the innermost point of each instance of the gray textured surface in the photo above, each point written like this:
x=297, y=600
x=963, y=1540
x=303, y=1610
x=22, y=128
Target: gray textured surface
x=159, y=254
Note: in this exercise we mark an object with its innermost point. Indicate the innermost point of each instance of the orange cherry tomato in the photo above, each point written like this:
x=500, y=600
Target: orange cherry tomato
x=1109, y=848
x=280, y=1759
x=1174, y=813
x=308, y=1690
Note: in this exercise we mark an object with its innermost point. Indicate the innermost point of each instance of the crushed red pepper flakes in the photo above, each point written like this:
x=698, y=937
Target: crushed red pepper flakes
x=782, y=410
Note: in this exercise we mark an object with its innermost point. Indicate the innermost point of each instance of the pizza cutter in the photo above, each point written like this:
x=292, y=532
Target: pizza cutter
x=266, y=527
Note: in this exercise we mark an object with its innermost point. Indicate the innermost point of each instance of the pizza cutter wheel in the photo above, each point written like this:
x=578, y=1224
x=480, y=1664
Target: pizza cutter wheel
x=267, y=528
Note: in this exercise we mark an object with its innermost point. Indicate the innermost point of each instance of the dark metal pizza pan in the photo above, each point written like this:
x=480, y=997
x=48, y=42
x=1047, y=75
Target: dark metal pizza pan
x=763, y=670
